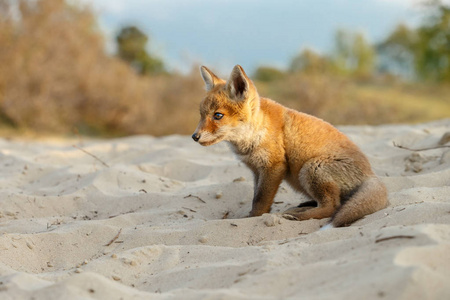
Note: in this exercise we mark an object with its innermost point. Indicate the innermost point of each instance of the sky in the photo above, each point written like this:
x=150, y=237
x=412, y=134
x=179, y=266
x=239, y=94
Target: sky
x=252, y=33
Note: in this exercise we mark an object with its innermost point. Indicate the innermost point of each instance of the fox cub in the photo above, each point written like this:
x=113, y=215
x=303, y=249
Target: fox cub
x=279, y=143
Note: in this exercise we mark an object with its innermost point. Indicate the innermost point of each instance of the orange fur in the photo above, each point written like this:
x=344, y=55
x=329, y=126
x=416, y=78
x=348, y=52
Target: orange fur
x=279, y=143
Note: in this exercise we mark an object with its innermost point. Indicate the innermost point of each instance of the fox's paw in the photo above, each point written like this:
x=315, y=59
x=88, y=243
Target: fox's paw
x=290, y=217
x=257, y=213
x=296, y=213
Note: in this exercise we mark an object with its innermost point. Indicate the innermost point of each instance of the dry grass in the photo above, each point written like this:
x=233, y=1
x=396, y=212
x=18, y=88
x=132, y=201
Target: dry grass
x=346, y=101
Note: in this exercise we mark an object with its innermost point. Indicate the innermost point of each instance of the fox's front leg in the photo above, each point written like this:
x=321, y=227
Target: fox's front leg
x=267, y=181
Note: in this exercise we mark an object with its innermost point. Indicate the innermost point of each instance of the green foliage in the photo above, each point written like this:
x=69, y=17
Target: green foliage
x=132, y=44
x=342, y=56
x=364, y=56
x=397, y=51
x=310, y=62
x=352, y=55
x=268, y=74
x=422, y=53
x=433, y=48
x=425, y=50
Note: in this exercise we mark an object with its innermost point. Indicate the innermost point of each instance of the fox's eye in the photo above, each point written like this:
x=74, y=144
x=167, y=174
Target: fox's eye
x=218, y=116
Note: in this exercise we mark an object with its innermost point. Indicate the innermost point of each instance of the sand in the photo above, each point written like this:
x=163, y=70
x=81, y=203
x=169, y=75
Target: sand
x=164, y=218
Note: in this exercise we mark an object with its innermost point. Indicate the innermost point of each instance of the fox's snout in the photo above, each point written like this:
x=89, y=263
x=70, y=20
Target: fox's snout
x=196, y=136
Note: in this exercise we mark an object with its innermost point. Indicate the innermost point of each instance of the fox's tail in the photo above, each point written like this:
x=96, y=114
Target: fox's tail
x=369, y=198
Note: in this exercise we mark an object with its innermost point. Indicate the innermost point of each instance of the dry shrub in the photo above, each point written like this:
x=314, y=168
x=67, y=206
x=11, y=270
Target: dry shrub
x=313, y=94
x=55, y=73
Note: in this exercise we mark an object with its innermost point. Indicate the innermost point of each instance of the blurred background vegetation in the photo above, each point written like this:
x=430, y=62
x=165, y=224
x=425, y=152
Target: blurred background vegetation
x=56, y=77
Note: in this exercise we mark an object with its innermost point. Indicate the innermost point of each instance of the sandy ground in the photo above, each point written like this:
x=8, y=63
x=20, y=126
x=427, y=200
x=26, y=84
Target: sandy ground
x=164, y=218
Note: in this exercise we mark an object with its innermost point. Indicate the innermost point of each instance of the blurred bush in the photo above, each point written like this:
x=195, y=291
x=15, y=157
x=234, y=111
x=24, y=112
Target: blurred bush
x=268, y=74
x=132, y=44
x=56, y=75
x=424, y=51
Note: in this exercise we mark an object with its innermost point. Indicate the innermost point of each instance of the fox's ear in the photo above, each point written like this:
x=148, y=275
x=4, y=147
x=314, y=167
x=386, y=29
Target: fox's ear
x=209, y=78
x=239, y=85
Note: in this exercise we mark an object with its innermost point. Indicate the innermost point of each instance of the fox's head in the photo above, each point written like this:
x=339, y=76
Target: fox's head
x=228, y=108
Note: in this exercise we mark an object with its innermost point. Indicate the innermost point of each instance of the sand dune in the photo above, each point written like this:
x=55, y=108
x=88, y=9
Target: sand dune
x=164, y=218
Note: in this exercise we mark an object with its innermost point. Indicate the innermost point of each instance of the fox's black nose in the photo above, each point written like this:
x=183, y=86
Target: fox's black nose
x=196, y=137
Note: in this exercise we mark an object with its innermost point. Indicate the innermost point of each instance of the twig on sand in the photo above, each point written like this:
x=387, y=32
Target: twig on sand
x=190, y=209
x=114, y=238
x=394, y=237
x=193, y=196
x=420, y=149
x=88, y=153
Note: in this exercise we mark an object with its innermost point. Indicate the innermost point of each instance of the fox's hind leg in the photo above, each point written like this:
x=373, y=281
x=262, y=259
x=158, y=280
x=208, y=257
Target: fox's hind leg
x=321, y=187
x=328, y=195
